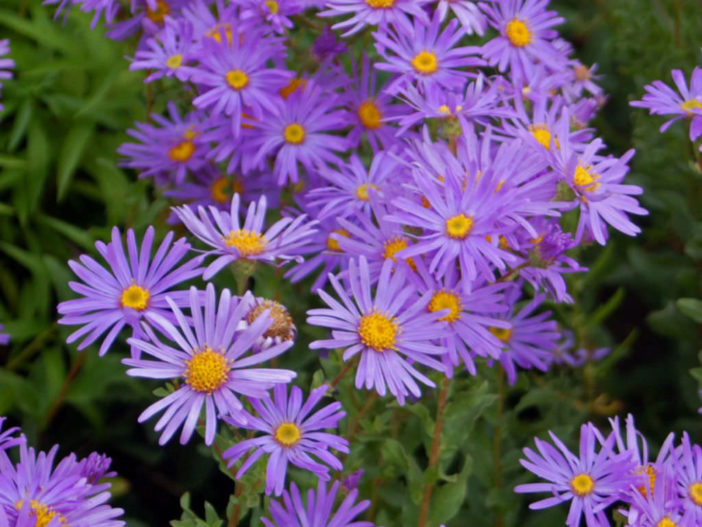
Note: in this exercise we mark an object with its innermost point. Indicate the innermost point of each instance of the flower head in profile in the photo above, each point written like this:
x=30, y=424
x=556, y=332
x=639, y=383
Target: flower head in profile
x=292, y=434
x=231, y=239
x=318, y=510
x=282, y=328
x=390, y=330
x=135, y=284
x=591, y=481
x=374, y=13
x=211, y=356
x=660, y=99
x=467, y=12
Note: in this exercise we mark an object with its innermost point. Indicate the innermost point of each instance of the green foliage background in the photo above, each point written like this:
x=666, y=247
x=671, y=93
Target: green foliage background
x=60, y=190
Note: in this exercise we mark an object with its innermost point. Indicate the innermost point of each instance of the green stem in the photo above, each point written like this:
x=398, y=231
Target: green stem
x=35, y=346
x=497, y=440
x=76, y=365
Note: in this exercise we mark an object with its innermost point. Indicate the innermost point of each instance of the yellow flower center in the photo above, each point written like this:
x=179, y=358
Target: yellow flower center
x=696, y=493
x=649, y=471
x=174, y=61
x=288, y=434
x=584, y=178
x=582, y=73
x=282, y=325
x=380, y=4
x=362, y=191
x=378, y=331
x=666, y=522
x=272, y=6
x=182, y=152
x=582, y=485
x=332, y=244
x=446, y=300
x=542, y=134
x=135, y=297
x=425, y=62
x=214, y=33
x=207, y=371
x=692, y=104
x=218, y=190
x=369, y=114
x=395, y=245
x=458, y=227
x=518, y=33
x=503, y=334
x=291, y=88
x=248, y=243
x=158, y=14
x=294, y=133
x=237, y=79
x=41, y=513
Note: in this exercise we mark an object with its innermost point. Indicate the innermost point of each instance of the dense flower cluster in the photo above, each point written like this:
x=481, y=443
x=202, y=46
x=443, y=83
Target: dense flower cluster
x=616, y=471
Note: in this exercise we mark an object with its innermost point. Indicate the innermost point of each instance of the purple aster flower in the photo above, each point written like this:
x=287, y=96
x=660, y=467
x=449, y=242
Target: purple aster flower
x=372, y=109
x=60, y=494
x=212, y=362
x=580, y=80
x=168, y=53
x=470, y=317
x=660, y=99
x=388, y=329
x=292, y=435
x=468, y=12
x=174, y=147
x=689, y=478
x=348, y=191
x=591, y=482
x=352, y=481
x=109, y=7
x=231, y=240
x=8, y=437
x=135, y=285
x=5, y=64
x=596, y=181
x=282, y=328
x=425, y=56
x=96, y=467
x=147, y=16
x=4, y=337
x=327, y=45
x=296, y=130
x=525, y=37
x=374, y=13
x=275, y=13
x=233, y=75
x=319, y=511
x=530, y=340
x=657, y=505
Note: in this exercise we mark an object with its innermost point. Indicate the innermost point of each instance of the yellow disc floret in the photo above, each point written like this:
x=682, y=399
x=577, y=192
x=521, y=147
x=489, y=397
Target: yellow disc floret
x=281, y=327
x=42, y=514
x=218, y=190
x=542, y=134
x=380, y=4
x=378, y=331
x=585, y=179
x=692, y=104
x=696, y=493
x=272, y=6
x=582, y=485
x=362, y=191
x=237, y=79
x=294, y=134
x=458, y=227
x=288, y=434
x=369, y=114
x=182, y=152
x=207, y=370
x=175, y=61
x=518, y=33
x=159, y=14
x=503, y=334
x=333, y=244
x=135, y=297
x=394, y=246
x=425, y=62
x=446, y=300
x=666, y=522
x=248, y=243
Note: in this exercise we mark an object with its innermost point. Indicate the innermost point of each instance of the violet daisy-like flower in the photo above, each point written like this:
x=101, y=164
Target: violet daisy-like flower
x=276, y=13
x=327, y=45
x=173, y=148
x=147, y=17
x=5, y=64
x=468, y=12
x=167, y=53
x=374, y=13
x=319, y=509
x=211, y=354
x=282, y=328
x=591, y=481
x=657, y=505
x=296, y=130
x=233, y=74
x=55, y=495
x=232, y=240
x=525, y=37
x=660, y=99
x=293, y=434
x=388, y=329
x=425, y=56
x=689, y=479
x=109, y=7
x=135, y=284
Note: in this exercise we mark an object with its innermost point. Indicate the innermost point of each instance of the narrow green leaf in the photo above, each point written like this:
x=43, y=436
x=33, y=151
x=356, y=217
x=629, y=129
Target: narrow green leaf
x=69, y=156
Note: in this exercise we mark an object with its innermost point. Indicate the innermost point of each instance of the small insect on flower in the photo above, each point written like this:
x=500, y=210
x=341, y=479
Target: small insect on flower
x=136, y=284
x=214, y=363
x=292, y=435
x=231, y=240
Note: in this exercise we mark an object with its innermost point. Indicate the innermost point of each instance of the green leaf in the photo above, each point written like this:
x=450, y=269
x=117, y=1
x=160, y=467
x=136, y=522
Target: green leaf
x=71, y=151
x=692, y=307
